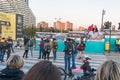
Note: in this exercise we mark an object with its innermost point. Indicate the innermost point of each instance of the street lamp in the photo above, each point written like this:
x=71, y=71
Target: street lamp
x=103, y=13
x=58, y=19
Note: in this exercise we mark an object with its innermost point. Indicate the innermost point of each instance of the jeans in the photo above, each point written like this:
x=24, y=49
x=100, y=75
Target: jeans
x=41, y=53
x=46, y=55
x=31, y=50
x=67, y=58
x=2, y=53
x=73, y=61
x=54, y=54
x=25, y=54
x=8, y=52
x=12, y=50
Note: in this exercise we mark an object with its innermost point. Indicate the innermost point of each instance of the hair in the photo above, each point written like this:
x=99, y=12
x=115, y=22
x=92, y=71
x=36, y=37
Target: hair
x=109, y=70
x=15, y=61
x=43, y=70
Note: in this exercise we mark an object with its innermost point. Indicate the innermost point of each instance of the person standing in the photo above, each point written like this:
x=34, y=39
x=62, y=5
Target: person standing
x=41, y=45
x=54, y=48
x=68, y=52
x=81, y=48
x=117, y=43
x=26, y=45
x=9, y=44
x=74, y=53
x=47, y=48
x=31, y=43
x=2, y=49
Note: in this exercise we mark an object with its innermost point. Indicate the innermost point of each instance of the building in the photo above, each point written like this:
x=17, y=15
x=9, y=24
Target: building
x=81, y=28
x=68, y=26
x=59, y=25
x=63, y=26
x=42, y=24
x=19, y=7
x=27, y=1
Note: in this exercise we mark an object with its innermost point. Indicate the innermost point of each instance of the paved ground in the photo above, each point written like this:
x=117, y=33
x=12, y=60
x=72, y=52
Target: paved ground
x=113, y=55
x=95, y=62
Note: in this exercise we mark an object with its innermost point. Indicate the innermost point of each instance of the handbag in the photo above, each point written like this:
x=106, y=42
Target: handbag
x=79, y=47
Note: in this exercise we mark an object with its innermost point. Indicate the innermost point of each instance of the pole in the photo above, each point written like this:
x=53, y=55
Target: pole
x=110, y=35
x=103, y=13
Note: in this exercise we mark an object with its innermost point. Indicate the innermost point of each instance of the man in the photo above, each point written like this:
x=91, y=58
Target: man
x=54, y=48
x=117, y=43
x=68, y=52
x=2, y=49
x=31, y=43
x=41, y=45
x=74, y=47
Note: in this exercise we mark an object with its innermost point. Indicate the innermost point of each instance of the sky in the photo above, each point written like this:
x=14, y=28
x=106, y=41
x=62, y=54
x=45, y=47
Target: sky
x=79, y=12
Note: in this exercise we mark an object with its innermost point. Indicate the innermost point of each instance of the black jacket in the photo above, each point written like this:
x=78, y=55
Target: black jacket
x=11, y=74
x=68, y=48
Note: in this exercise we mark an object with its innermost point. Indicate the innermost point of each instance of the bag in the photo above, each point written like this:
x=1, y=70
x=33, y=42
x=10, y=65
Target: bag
x=48, y=49
x=40, y=44
x=80, y=47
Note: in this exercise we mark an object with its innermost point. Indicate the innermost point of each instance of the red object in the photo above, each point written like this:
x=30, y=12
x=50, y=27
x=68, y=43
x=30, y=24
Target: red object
x=90, y=28
x=40, y=44
x=80, y=47
x=77, y=69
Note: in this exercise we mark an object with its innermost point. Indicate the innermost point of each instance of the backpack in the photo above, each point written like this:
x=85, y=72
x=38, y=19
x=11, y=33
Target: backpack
x=81, y=47
x=48, y=49
x=70, y=49
x=40, y=44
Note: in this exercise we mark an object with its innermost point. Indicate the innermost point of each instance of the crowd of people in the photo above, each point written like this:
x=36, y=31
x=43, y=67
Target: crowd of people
x=46, y=70
x=6, y=46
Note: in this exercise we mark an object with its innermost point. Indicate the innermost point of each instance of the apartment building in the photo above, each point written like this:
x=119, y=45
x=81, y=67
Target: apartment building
x=19, y=7
x=42, y=24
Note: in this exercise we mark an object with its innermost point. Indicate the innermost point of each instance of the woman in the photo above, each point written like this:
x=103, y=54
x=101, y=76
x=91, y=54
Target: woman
x=13, y=68
x=54, y=48
x=81, y=48
x=47, y=48
x=43, y=70
x=109, y=70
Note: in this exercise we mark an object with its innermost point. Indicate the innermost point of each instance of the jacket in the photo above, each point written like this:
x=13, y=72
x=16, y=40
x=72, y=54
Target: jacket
x=11, y=74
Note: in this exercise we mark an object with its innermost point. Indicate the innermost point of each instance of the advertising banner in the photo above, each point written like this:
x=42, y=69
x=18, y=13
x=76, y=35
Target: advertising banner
x=8, y=25
x=12, y=25
x=19, y=26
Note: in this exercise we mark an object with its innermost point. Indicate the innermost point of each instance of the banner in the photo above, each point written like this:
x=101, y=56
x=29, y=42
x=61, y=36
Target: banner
x=19, y=26
x=8, y=25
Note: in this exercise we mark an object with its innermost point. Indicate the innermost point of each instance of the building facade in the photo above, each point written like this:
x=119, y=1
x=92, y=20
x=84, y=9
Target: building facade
x=68, y=26
x=42, y=24
x=19, y=7
x=63, y=26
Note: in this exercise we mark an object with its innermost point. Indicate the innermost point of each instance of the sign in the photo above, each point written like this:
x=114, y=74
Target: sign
x=6, y=23
x=7, y=20
x=12, y=25
x=19, y=26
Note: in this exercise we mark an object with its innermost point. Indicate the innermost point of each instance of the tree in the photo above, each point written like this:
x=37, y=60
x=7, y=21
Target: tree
x=29, y=31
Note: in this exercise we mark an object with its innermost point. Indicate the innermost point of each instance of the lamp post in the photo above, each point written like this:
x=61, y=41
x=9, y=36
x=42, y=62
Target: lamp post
x=103, y=13
x=110, y=35
x=58, y=19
